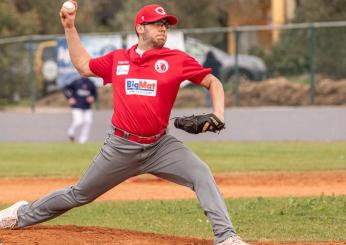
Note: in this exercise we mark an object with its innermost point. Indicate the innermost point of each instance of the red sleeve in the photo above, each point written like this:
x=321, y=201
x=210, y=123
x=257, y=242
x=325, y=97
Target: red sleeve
x=102, y=67
x=193, y=71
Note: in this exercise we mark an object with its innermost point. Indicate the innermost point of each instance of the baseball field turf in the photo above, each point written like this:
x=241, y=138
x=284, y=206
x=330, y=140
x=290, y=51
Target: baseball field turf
x=310, y=218
x=68, y=160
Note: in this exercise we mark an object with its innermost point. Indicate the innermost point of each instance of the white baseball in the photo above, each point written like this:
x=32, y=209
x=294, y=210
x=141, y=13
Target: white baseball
x=69, y=6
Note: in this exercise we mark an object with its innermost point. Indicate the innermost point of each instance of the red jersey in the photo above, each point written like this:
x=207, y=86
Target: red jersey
x=145, y=88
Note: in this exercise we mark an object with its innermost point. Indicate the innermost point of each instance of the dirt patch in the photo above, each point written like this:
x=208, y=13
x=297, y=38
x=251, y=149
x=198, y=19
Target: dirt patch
x=280, y=91
x=147, y=187
x=272, y=92
x=74, y=235
x=151, y=188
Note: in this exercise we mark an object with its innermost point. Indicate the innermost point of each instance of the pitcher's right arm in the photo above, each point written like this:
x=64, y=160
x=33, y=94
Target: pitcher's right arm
x=79, y=56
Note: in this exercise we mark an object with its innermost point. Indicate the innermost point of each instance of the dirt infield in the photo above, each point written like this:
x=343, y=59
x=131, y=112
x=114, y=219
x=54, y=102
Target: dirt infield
x=147, y=188
x=74, y=235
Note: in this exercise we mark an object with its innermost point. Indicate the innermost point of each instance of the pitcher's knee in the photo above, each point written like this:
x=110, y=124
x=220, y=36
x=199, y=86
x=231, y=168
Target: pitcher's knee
x=202, y=174
x=81, y=197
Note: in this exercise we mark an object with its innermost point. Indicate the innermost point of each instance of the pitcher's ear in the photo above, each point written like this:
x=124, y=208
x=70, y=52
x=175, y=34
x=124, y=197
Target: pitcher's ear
x=139, y=29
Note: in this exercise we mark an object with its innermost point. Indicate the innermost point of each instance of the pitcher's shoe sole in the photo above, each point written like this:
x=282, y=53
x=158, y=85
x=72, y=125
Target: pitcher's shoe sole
x=9, y=217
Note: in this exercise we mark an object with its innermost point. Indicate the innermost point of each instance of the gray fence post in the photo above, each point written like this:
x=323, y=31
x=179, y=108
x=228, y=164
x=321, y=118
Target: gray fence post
x=312, y=62
x=31, y=47
x=236, y=67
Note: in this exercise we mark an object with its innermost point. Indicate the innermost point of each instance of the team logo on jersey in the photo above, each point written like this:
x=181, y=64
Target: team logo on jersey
x=123, y=69
x=161, y=66
x=144, y=87
x=160, y=10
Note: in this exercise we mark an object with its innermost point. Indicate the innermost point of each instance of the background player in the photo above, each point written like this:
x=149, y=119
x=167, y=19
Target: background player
x=146, y=79
x=81, y=94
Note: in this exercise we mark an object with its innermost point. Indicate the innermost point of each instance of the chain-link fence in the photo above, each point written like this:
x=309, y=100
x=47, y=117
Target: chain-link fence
x=14, y=73
x=295, y=64
x=21, y=71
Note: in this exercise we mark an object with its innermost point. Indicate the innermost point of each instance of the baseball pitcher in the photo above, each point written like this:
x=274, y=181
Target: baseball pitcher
x=145, y=79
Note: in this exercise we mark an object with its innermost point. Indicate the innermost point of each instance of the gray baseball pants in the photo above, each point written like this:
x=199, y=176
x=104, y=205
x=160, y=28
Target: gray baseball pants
x=120, y=159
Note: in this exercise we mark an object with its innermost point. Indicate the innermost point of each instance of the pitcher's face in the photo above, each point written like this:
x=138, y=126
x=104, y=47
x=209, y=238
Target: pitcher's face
x=154, y=33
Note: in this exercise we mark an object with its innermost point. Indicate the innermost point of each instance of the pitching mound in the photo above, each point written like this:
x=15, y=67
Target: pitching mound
x=74, y=235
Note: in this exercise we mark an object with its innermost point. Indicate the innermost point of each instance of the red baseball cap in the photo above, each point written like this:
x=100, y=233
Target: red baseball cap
x=152, y=13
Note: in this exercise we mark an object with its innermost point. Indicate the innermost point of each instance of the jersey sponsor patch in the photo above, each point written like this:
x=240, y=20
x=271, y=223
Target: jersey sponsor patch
x=144, y=87
x=123, y=69
x=83, y=92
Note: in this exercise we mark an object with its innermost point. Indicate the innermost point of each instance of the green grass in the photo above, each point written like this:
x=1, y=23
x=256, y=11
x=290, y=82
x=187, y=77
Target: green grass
x=281, y=219
x=49, y=159
x=286, y=219
x=61, y=159
x=276, y=156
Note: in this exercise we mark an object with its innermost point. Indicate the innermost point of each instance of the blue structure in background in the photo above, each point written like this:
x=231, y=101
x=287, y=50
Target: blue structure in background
x=95, y=45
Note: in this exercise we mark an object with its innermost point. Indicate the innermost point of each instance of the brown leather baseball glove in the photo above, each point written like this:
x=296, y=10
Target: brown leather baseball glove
x=194, y=124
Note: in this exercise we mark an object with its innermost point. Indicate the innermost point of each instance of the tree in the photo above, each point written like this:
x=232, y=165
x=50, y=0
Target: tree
x=191, y=14
x=330, y=42
x=14, y=23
